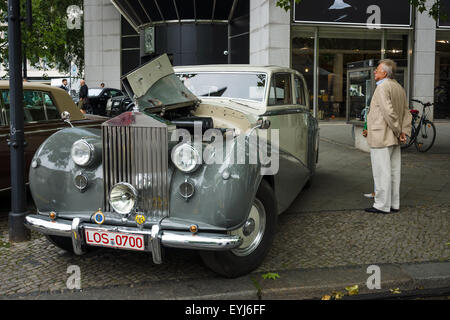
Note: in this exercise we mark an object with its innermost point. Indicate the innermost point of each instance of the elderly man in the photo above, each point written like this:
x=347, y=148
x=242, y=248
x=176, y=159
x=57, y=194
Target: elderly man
x=388, y=123
x=83, y=103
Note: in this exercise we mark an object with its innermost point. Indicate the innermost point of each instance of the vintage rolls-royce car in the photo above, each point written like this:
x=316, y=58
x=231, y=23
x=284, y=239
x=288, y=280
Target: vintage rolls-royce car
x=207, y=160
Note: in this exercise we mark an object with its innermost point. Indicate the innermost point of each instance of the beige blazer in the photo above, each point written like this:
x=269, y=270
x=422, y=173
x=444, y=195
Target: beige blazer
x=388, y=116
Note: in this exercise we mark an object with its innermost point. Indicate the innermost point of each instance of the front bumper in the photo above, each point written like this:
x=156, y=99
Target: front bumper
x=155, y=237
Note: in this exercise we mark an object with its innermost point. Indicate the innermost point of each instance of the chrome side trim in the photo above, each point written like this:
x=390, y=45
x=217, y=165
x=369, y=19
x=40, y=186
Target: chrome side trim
x=43, y=225
x=200, y=241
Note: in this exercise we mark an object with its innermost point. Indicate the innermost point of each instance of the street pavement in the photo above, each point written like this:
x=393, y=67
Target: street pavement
x=324, y=243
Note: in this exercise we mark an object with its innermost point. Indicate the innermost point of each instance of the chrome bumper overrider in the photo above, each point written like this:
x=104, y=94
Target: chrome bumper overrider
x=155, y=238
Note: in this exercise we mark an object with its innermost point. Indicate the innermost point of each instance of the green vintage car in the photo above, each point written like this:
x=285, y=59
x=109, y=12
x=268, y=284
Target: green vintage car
x=207, y=160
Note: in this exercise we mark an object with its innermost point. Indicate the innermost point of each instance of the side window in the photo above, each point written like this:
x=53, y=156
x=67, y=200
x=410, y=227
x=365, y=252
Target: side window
x=280, y=89
x=4, y=103
x=115, y=93
x=299, y=91
x=37, y=104
x=50, y=107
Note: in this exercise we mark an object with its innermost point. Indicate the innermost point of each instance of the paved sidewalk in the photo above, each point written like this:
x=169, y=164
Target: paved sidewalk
x=324, y=241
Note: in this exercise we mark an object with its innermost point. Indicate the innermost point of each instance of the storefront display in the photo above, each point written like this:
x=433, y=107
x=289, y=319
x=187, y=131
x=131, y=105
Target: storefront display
x=442, y=76
x=361, y=85
x=341, y=41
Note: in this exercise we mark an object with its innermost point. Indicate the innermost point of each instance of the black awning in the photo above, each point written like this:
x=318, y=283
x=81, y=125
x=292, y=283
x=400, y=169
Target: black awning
x=143, y=12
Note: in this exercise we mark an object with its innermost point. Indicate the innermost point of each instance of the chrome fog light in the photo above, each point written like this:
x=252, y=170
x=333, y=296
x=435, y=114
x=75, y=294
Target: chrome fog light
x=82, y=152
x=186, y=158
x=123, y=198
x=187, y=189
x=81, y=182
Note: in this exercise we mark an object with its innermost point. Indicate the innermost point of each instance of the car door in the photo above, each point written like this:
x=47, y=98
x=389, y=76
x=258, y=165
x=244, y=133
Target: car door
x=288, y=114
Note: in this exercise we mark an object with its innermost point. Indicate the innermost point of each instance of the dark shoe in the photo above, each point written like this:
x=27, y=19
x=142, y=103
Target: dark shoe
x=375, y=210
x=395, y=210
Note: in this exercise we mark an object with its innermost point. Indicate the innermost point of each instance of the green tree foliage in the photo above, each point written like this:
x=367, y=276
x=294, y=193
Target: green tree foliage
x=49, y=43
x=433, y=11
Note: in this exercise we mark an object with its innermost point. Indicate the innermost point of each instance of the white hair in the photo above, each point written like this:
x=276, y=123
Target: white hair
x=389, y=66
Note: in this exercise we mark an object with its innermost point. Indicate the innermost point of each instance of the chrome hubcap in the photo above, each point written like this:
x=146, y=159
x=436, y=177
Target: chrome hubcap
x=252, y=231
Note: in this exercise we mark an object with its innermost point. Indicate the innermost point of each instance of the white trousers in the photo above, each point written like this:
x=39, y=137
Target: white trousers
x=386, y=168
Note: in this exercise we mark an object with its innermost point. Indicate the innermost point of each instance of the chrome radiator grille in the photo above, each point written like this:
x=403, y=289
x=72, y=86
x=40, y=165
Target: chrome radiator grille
x=138, y=156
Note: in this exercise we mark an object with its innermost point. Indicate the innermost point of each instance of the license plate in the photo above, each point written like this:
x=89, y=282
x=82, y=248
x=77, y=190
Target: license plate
x=116, y=240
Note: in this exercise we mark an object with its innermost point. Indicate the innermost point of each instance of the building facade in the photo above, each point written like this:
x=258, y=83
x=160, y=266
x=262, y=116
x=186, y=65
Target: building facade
x=331, y=42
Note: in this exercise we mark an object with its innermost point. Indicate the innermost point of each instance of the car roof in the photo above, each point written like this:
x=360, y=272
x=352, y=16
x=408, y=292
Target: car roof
x=233, y=68
x=59, y=94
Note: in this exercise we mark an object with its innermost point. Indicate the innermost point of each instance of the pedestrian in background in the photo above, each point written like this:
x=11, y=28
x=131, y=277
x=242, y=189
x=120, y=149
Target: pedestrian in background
x=102, y=85
x=388, y=123
x=64, y=85
x=83, y=103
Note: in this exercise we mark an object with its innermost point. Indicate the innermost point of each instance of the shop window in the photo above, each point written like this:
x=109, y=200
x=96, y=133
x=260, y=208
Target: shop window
x=442, y=77
x=280, y=89
x=334, y=56
x=339, y=48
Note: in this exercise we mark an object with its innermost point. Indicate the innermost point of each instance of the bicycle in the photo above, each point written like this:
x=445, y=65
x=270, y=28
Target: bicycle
x=423, y=131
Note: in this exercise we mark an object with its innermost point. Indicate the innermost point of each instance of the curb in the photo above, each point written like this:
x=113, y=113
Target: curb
x=298, y=284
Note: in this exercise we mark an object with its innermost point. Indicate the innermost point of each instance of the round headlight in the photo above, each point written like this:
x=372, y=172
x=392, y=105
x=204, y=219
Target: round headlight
x=82, y=152
x=186, y=158
x=123, y=198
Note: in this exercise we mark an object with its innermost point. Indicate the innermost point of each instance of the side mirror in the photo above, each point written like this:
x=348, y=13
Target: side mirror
x=65, y=115
x=263, y=124
x=260, y=124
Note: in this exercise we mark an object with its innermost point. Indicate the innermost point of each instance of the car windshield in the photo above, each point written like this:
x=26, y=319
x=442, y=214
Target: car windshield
x=247, y=86
x=94, y=92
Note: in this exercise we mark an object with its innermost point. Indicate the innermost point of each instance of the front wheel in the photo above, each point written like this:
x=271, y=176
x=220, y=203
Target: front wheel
x=257, y=234
x=426, y=136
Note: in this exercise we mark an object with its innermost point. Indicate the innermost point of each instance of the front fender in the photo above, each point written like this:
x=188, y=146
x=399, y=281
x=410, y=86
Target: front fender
x=53, y=171
x=224, y=190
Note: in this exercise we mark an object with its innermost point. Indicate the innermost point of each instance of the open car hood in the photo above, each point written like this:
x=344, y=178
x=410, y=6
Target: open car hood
x=156, y=88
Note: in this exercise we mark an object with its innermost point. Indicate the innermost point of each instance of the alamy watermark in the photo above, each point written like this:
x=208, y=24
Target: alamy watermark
x=374, y=280
x=374, y=20
x=218, y=147
x=74, y=17
x=74, y=280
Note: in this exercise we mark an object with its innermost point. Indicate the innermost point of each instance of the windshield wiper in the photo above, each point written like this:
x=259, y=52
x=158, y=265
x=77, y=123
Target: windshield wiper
x=242, y=104
x=217, y=93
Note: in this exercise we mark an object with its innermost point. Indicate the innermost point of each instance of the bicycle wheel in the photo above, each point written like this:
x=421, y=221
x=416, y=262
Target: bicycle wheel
x=426, y=136
x=409, y=139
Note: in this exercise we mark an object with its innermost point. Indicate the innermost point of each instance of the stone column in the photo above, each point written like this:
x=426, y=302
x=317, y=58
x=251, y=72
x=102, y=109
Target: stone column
x=270, y=29
x=101, y=43
x=424, y=57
